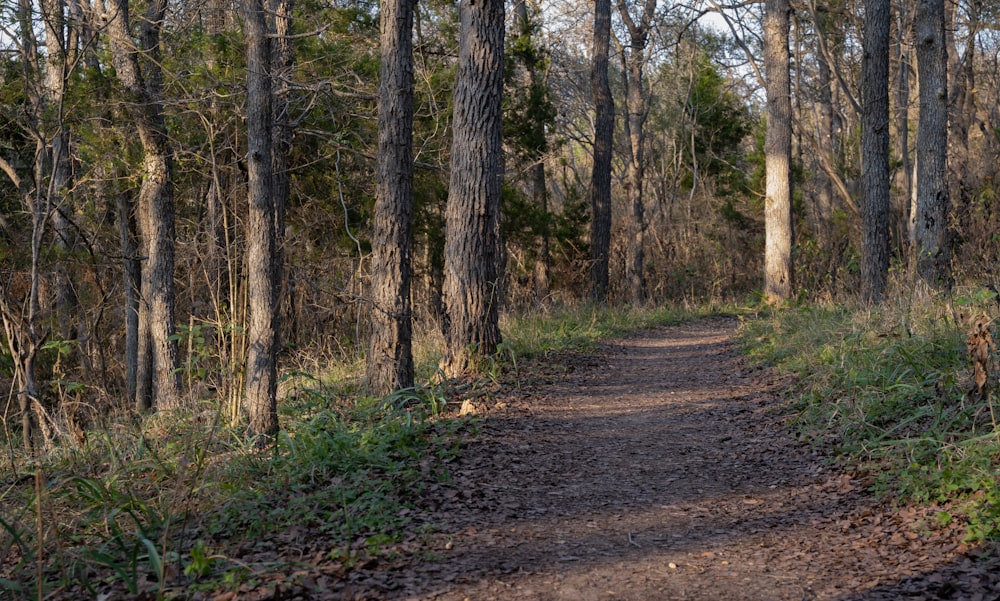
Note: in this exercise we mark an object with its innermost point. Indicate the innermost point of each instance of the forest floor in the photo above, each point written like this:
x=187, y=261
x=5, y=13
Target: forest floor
x=659, y=467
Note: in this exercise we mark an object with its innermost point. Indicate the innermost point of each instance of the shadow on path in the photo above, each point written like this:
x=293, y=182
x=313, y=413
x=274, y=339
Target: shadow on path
x=664, y=471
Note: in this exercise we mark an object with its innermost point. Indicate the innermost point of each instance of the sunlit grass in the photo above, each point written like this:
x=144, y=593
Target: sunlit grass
x=578, y=328
x=888, y=389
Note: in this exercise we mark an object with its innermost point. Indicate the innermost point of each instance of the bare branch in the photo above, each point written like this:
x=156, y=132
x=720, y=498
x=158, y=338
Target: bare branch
x=737, y=38
x=828, y=57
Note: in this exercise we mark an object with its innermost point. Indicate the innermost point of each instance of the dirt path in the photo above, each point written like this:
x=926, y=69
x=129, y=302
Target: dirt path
x=660, y=470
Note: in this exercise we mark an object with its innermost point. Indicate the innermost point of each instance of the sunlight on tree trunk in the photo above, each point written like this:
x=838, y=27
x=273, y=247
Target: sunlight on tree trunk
x=262, y=331
x=158, y=384
x=875, y=151
x=633, y=66
x=933, y=204
x=778, y=154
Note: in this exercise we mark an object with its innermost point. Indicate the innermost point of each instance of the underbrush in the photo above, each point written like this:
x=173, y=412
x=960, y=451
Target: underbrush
x=161, y=505
x=172, y=503
x=894, y=391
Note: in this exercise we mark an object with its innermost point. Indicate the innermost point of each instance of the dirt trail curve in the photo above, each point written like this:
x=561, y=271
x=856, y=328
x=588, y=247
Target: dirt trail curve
x=661, y=470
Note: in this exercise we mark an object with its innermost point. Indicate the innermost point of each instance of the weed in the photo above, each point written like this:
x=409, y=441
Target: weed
x=200, y=564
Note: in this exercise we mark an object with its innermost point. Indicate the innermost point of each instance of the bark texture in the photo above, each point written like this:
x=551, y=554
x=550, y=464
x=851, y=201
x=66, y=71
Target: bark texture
x=875, y=151
x=131, y=283
x=262, y=329
x=778, y=154
x=473, y=250
x=933, y=245
x=157, y=380
x=604, y=131
x=390, y=357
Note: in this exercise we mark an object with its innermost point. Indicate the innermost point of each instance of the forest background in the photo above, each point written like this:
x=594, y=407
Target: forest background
x=686, y=221
x=140, y=236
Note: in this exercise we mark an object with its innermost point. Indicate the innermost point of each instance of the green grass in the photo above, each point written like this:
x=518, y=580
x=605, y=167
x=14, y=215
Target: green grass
x=579, y=328
x=887, y=390
x=158, y=505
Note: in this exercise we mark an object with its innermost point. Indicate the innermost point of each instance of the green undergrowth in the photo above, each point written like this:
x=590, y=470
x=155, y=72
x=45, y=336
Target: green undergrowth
x=347, y=471
x=172, y=503
x=889, y=391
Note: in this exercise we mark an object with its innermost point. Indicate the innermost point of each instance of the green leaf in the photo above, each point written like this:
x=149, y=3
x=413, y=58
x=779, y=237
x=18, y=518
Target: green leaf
x=154, y=557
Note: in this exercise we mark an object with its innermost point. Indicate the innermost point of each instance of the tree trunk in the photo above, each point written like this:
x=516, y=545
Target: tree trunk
x=473, y=250
x=390, y=357
x=157, y=380
x=219, y=268
x=262, y=330
x=540, y=195
x=875, y=151
x=634, y=62
x=63, y=297
x=604, y=131
x=282, y=132
x=778, y=154
x=962, y=111
x=56, y=67
x=132, y=282
x=903, y=120
x=21, y=327
x=933, y=204
x=282, y=64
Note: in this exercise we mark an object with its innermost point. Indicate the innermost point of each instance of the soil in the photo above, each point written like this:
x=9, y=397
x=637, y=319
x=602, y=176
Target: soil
x=660, y=467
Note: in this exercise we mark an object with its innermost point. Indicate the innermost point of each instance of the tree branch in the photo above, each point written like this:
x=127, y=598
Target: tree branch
x=739, y=40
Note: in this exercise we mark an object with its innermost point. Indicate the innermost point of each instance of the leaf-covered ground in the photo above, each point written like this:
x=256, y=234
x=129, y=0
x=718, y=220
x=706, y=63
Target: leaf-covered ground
x=662, y=468
x=658, y=467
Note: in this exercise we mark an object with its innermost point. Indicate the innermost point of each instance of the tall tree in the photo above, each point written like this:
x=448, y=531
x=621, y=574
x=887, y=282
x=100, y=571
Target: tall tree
x=604, y=131
x=778, y=271
x=933, y=244
x=157, y=379
x=903, y=60
x=58, y=63
x=390, y=357
x=634, y=63
x=473, y=249
x=875, y=150
x=282, y=130
x=262, y=289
